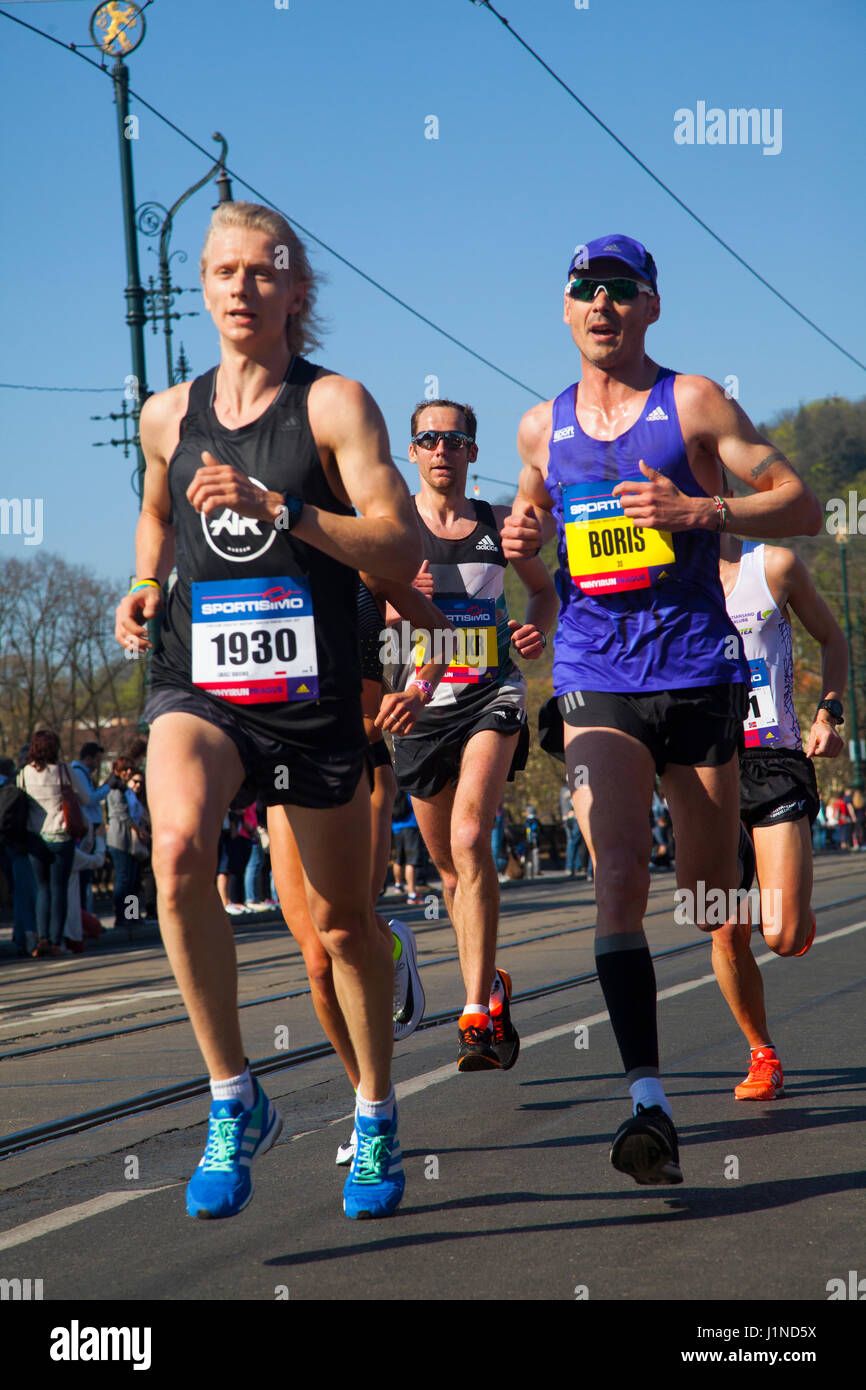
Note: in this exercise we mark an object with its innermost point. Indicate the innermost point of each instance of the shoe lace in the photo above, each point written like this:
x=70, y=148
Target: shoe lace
x=372, y=1157
x=473, y=1034
x=763, y=1069
x=223, y=1141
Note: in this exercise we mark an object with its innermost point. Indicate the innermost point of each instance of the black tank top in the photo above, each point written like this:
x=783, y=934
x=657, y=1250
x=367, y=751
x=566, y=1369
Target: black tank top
x=371, y=622
x=277, y=451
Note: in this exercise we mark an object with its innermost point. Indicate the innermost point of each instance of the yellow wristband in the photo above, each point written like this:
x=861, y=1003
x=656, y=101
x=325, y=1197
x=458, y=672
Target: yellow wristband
x=144, y=584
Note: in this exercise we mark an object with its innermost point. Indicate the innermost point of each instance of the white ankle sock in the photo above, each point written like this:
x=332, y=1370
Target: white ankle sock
x=235, y=1088
x=649, y=1091
x=376, y=1109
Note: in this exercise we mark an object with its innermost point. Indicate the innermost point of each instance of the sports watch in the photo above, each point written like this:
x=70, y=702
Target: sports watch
x=291, y=513
x=833, y=708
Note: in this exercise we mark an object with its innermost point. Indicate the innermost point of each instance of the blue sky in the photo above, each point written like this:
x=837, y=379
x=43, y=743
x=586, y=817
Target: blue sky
x=325, y=105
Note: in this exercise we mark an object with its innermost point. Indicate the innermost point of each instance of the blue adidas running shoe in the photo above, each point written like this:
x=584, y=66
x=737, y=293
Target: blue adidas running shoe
x=376, y=1180
x=221, y=1184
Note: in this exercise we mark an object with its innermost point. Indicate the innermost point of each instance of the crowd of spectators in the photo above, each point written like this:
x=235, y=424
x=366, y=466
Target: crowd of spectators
x=57, y=825
x=64, y=833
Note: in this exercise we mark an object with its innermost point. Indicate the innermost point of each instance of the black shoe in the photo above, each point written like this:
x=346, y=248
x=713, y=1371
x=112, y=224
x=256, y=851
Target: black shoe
x=645, y=1147
x=476, y=1050
x=506, y=1041
x=745, y=859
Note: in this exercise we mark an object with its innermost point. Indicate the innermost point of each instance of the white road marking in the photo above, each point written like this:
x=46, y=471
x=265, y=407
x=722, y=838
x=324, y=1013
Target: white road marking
x=68, y=1216
x=432, y=1078
x=75, y=1006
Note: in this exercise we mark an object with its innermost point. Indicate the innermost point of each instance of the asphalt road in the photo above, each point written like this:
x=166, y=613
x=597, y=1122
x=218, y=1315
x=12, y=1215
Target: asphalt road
x=510, y=1194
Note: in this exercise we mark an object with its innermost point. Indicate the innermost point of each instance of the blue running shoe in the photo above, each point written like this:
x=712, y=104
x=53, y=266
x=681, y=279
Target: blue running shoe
x=221, y=1184
x=376, y=1179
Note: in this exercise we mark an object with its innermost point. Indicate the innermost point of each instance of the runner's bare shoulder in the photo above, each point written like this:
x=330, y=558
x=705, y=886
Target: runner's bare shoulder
x=533, y=435
x=159, y=423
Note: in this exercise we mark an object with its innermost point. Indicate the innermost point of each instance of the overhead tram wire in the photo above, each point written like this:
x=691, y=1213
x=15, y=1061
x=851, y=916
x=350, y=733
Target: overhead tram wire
x=485, y=4
x=81, y=390
x=72, y=48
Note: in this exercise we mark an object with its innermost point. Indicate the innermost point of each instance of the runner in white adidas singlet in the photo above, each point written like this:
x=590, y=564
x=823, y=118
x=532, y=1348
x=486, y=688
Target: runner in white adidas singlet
x=778, y=792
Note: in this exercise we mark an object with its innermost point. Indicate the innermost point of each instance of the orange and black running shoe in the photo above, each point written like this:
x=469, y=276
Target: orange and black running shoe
x=506, y=1040
x=809, y=939
x=476, y=1052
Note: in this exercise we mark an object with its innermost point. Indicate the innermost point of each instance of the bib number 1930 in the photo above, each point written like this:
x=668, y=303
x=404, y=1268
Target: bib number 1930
x=254, y=640
x=237, y=648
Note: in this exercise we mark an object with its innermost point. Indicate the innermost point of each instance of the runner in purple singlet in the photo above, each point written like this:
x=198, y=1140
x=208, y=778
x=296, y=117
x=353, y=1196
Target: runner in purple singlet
x=648, y=675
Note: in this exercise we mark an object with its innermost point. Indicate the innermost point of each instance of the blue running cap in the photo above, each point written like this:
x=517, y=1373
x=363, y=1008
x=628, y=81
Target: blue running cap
x=617, y=248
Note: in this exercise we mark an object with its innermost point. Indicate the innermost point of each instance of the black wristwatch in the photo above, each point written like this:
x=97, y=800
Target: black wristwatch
x=833, y=708
x=291, y=513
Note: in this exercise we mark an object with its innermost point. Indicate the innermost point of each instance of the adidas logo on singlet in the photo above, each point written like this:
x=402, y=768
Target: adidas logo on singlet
x=486, y=544
x=657, y=414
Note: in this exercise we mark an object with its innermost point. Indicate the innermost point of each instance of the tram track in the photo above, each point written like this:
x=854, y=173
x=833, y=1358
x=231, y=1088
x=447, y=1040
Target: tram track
x=505, y=943
x=25, y=1140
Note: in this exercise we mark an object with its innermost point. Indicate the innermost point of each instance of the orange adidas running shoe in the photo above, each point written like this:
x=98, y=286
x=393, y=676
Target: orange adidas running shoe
x=765, y=1080
x=810, y=938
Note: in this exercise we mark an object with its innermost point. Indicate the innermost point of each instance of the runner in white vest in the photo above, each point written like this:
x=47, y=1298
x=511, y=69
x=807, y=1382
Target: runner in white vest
x=778, y=792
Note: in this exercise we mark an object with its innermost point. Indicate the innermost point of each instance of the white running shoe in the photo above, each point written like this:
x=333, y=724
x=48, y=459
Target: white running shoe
x=408, y=990
x=346, y=1152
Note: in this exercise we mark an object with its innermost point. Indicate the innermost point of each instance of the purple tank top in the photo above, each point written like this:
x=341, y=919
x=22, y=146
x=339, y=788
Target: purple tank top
x=640, y=610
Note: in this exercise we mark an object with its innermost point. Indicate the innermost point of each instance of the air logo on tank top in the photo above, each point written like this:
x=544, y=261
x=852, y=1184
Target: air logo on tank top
x=607, y=553
x=238, y=538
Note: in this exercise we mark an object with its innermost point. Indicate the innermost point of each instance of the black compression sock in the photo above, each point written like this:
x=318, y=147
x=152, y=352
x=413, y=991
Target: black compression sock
x=628, y=982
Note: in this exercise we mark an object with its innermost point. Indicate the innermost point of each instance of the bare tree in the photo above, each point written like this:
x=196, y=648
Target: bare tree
x=59, y=663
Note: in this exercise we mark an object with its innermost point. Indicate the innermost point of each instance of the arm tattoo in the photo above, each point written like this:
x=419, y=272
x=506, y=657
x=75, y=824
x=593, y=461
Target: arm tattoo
x=762, y=467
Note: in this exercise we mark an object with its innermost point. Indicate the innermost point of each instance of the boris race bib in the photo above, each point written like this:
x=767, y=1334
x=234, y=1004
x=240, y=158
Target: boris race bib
x=762, y=723
x=607, y=552
x=254, y=640
x=475, y=651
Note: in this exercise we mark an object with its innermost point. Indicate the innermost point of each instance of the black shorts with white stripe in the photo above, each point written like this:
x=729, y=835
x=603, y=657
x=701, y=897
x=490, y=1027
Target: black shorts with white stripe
x=698, y=726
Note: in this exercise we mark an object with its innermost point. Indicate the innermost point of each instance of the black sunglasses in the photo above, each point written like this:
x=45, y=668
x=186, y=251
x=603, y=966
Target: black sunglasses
x=452, y=439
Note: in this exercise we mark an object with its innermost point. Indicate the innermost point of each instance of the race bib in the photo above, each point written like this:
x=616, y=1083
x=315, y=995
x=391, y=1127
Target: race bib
x=607, y=552
x=762, y=723
x=476, y=654
x=254, y=640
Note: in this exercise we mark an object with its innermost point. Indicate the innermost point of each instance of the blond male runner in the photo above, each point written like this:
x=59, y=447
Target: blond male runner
x=252, y=474
x=647, y=673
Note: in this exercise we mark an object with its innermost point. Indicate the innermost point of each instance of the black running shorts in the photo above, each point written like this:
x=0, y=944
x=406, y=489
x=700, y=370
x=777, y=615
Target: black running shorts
x=320, y=772
x=426, y=763
x=380, y=754
x=777, y=785
x=407, y=846
x=699, y=726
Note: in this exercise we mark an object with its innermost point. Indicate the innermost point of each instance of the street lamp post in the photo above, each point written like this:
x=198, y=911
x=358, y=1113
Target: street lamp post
x=154, y=219
x=118, y=29
x=857, y=783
